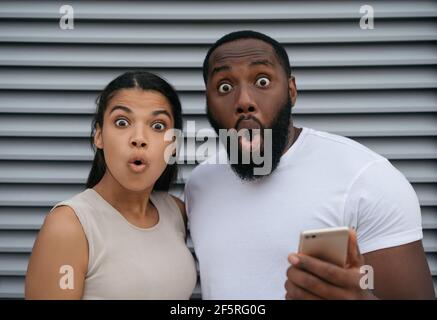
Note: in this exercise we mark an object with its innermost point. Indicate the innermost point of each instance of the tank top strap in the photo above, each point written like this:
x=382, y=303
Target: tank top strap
x=167, y=206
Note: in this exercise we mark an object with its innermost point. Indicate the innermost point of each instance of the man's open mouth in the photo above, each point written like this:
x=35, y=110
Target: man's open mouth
x=248, y=123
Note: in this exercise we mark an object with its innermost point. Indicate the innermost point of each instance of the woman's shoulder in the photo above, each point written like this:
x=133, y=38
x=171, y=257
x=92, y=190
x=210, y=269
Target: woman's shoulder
x=68, y=215
x=81, y=210
x=62, y=219
x=82, y=204
x=83, y=198
x=63, y=222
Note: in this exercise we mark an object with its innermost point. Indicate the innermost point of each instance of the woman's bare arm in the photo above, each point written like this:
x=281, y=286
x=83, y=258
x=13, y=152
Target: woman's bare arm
x=59, y=260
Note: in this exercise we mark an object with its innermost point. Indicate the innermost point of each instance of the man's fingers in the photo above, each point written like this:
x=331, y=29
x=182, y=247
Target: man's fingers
x=312, y=284
x=324, y=270
x=296, y=293
x=354, y=258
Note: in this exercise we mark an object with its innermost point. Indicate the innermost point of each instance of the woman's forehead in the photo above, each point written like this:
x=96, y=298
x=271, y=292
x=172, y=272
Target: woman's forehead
x=140, y=100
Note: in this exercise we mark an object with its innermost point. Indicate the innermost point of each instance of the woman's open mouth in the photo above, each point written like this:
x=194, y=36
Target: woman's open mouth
x=137, y=165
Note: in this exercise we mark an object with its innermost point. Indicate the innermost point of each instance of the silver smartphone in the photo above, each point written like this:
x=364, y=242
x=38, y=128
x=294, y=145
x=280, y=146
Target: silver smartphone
x=329, y=244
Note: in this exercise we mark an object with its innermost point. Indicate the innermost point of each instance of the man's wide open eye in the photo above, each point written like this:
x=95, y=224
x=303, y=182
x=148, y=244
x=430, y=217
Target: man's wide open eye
x=121, y=123
x=224, y=88
x=262, y=82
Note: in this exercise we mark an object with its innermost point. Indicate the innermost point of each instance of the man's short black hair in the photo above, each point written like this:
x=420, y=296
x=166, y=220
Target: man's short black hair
x=249, y=34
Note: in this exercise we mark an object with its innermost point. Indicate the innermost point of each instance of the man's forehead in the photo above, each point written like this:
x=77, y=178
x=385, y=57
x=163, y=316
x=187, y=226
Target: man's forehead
x=243, y=49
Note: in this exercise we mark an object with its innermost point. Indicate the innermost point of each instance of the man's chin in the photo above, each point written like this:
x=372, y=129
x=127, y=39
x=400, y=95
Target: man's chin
x=245, y=172
x=247, y=152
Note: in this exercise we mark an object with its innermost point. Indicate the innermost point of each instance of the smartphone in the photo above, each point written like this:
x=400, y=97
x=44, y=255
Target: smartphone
x=329, y=244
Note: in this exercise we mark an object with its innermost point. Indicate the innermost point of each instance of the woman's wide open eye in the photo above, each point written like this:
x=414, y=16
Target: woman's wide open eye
x=121, y=123
x=224, y=88
x=262, y=82
x=158, y=126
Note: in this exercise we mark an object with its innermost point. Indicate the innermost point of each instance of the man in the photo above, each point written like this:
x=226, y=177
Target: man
x=244, y=226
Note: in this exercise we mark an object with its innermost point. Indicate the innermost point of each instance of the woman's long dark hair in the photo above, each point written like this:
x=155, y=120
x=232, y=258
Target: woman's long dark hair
x=129, y=80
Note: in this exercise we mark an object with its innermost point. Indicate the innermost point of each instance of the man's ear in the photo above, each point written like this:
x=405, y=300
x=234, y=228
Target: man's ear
x=98, y=140
x=292, y=90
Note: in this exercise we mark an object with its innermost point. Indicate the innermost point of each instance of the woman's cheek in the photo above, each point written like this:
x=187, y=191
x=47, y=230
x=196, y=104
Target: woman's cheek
x=159, y=155
x=114, y=156
x=112, y=161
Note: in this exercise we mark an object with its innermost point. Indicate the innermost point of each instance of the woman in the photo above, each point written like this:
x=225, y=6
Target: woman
x=124, y=236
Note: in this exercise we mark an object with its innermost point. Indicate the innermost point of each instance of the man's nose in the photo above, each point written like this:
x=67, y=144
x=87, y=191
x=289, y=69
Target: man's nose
x=245, y=102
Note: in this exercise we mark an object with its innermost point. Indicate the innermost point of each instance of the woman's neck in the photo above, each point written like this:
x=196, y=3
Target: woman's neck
x=127, y=202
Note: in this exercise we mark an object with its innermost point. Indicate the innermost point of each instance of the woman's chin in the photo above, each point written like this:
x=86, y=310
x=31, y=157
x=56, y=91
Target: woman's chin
x=136, y=187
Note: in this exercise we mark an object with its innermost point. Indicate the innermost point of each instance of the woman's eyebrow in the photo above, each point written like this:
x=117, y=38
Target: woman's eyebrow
x=128, y=110
x=158, y=112
x=121, y=108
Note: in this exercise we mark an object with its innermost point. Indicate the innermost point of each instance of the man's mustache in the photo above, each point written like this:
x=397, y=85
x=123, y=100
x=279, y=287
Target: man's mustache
x=245, y=118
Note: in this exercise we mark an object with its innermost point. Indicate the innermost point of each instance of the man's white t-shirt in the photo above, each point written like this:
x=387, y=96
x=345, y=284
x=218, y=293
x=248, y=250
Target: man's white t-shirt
x=243, y=231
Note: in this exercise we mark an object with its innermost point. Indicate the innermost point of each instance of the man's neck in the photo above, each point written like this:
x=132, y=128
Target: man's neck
x=293, y=134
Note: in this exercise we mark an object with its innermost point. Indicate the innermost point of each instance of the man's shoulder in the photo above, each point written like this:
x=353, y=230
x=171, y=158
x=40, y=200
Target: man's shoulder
x=340, y=147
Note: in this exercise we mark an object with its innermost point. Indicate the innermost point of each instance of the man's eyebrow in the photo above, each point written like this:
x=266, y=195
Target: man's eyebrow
x=126, y=109
x=264, y=62
x=219, y=69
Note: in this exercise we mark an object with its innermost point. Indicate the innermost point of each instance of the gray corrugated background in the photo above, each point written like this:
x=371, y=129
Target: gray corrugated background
x=375, y=86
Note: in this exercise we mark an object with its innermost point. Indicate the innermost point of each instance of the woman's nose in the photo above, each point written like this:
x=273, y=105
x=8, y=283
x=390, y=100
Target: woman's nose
x=138, y=143
x=138, y=139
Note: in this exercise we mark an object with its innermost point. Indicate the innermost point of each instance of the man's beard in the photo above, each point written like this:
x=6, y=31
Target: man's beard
x=280, y=134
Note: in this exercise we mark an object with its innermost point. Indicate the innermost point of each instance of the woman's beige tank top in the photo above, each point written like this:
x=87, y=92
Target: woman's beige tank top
x=128, y=262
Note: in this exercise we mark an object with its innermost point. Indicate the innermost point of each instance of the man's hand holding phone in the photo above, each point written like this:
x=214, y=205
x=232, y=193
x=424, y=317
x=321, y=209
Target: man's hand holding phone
x=309, y=277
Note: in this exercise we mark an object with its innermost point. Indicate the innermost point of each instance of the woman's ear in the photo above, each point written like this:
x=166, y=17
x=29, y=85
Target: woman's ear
x=98, y=140
x=292, y=90
x=175, y=146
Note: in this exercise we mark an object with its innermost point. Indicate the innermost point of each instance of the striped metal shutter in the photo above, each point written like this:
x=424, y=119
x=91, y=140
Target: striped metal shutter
x=375, y=86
